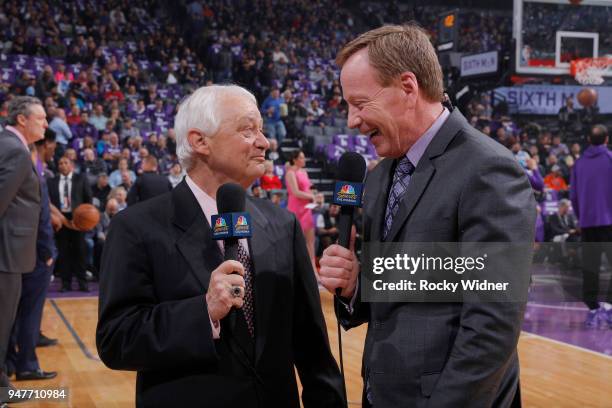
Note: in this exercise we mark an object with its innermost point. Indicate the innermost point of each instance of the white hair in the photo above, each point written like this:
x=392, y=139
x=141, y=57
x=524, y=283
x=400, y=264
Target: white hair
x=202, y=110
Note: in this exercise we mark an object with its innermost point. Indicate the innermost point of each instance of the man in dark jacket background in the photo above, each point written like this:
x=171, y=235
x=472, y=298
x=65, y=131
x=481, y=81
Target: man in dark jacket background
x=149, y=184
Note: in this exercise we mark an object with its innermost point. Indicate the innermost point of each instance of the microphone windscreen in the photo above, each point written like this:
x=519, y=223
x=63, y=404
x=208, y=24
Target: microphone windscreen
x=230, y=198
x=351, y=167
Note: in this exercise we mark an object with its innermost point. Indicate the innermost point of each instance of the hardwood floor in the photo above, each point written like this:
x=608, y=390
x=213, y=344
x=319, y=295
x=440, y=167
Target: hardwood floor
x=553, y=374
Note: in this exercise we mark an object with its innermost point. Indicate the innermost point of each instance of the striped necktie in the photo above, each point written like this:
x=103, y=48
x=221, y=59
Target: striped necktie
x=401, y=178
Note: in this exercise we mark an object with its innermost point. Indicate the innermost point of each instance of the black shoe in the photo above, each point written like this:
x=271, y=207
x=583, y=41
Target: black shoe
x=83, y=287
x=36, y=375
x=44, y=341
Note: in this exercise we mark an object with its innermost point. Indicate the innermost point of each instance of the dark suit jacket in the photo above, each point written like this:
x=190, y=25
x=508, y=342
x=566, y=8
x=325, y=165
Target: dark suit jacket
x=558, y=227
x=466, y=188
x=80, y=194
x=19, y=206
x=148, y=185
x=45, y=244
x=153, y=318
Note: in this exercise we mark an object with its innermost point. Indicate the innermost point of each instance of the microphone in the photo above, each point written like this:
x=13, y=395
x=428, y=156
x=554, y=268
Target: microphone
x=231, y=224
x=231, y=199
x=347, y=194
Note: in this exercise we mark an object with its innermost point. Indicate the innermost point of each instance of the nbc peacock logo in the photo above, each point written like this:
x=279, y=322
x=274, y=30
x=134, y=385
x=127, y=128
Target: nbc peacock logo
x=347, y=189
x=241, y=221
x=220, y=226
x=241, y=226
x=346, y=194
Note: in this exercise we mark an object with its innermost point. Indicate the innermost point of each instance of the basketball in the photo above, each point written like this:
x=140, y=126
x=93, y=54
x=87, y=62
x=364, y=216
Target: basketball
x=587, y=97
x=85, y=217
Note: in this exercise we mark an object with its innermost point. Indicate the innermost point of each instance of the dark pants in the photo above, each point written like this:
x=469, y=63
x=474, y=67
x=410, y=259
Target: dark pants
x=22, y=347
x=71, y=255
x=10, y=291
x=597, y=240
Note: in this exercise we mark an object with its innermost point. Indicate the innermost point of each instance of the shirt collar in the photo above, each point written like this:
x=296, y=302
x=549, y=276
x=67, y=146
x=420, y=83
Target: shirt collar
x=208, y=204
x=19, y=135
x=417, y=150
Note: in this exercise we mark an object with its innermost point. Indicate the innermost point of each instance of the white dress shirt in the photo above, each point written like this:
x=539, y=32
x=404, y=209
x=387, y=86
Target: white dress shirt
x=66, y=205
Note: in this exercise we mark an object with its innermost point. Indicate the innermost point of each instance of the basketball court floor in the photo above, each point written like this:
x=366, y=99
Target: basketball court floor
x=562, y=363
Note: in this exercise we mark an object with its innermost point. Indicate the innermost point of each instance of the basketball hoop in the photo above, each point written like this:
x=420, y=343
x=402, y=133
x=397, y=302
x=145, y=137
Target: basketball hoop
x=589, y=71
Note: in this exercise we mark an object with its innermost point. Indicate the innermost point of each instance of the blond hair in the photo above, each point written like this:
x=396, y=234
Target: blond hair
x=394, y=49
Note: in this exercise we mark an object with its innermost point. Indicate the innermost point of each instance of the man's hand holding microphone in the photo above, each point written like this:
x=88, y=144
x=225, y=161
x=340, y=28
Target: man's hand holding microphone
x=340, y=268
x=339, y=265
x=225, y=290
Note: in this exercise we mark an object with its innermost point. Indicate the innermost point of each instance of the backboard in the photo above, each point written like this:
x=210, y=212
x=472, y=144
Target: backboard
x=550, y=34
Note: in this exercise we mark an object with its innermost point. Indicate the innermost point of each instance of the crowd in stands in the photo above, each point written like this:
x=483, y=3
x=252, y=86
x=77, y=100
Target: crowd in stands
x=547, y=153
x=111, y=74
x=541, y=21
x=479, y=30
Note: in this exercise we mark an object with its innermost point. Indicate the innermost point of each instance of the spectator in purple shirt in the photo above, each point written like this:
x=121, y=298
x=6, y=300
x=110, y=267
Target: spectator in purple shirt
x=591, y=195
x=141, y=114
x=158, y=114
x=534, y=175
x=84, y=128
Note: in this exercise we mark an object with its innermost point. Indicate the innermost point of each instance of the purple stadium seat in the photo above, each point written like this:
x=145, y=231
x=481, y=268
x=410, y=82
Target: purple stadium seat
x=361, y=141
x=550, y=205
x=333, y=152
x=279, y=170
x=344, y=141
x=8, y=75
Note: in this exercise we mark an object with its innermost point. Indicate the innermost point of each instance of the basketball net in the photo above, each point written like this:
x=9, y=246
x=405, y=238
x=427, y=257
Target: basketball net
x=589, y=71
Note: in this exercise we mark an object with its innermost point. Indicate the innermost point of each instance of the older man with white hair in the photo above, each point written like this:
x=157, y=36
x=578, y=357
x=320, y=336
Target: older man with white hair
x=165, y=289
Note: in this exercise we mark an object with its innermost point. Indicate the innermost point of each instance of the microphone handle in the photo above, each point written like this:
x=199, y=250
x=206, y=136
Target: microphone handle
x=231, y=249
x=345, y=223
x=231, y=254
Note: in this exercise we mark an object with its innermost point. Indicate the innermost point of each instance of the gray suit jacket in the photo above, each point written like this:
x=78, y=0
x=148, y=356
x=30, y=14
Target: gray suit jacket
x=466, y=188
x=19, y=206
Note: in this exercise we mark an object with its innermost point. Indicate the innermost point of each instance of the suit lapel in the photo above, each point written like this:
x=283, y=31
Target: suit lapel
x=195, y=241
x=262, y=252
x=418, y=182
x=375, y=198
x=425, y=170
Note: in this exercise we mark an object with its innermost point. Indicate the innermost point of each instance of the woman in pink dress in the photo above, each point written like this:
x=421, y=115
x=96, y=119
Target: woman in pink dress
x=299, y=195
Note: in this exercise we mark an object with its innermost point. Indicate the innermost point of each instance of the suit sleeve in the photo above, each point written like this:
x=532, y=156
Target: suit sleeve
x=496, y=205
x=15, y=165
x=315, y=363
x=137, y=331
x=555, y=226
x=355, y=314
x=45, y=245
x=87, y=195
x=134, y=193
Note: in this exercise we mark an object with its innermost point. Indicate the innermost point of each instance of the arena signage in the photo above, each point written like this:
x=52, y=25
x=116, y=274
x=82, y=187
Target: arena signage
x=548, y=99
x=479, y=64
